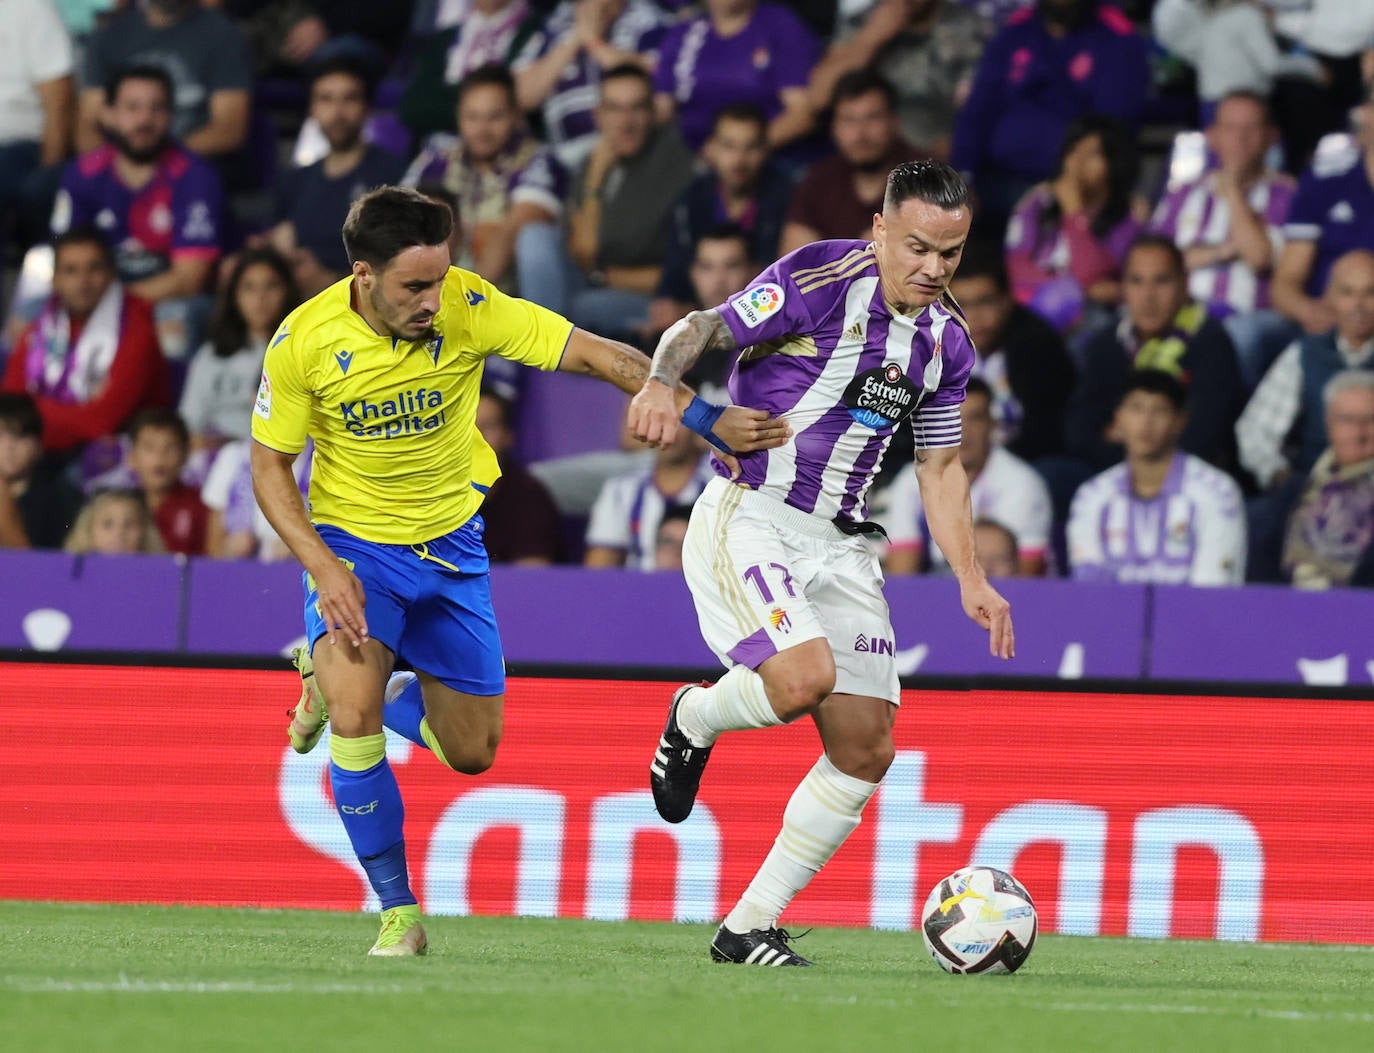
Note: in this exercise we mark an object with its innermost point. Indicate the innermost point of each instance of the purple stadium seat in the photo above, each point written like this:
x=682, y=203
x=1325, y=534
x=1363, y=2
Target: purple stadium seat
x=562, y=414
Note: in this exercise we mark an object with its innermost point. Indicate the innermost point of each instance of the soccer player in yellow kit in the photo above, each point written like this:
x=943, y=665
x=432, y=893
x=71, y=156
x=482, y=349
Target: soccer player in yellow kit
x=383, y=369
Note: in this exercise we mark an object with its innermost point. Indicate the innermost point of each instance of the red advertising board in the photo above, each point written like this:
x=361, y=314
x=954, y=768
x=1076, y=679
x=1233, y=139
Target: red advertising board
x=1152, y=815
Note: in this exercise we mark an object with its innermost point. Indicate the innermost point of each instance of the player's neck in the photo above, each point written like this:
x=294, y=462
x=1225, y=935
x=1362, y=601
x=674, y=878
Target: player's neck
x=1148, y=474
x=363, y=309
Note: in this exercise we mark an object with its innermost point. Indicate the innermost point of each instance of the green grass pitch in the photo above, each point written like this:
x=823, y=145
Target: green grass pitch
x=151, y=978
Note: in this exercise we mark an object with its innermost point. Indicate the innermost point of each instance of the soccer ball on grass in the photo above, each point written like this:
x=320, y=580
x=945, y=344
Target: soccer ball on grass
x=979, y=920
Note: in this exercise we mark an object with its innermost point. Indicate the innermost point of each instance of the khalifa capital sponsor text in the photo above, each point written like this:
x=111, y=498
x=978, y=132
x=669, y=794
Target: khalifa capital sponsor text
x=405, y=413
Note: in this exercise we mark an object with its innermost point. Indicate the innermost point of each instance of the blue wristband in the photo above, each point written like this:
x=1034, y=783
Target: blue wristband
x=701, y=417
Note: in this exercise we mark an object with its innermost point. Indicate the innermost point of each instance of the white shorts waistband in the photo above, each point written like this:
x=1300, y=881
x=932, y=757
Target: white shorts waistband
x=779, y=512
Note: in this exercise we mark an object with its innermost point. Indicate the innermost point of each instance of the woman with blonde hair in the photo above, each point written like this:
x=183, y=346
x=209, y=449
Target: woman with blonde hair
x=114, y=523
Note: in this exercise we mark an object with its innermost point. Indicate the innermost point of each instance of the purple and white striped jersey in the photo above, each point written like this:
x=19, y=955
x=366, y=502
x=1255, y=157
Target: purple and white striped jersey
x=1198, y=214
x=822, y=348
x=1191, y=533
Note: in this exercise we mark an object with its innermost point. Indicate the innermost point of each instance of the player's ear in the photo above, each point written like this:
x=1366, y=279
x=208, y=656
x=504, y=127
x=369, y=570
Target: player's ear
x=362, y=271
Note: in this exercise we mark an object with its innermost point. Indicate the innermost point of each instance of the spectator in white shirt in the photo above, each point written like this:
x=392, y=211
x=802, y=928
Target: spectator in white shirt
x=1002, y=487
x=1162, y=516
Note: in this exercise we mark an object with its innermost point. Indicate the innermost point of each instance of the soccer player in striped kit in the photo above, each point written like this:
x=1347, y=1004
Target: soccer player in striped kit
x=846, y=341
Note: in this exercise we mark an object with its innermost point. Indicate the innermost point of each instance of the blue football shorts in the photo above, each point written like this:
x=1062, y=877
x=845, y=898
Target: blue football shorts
x=429, y=603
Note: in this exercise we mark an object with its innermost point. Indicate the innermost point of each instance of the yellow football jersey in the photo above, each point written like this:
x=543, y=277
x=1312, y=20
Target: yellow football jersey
x=398, y=457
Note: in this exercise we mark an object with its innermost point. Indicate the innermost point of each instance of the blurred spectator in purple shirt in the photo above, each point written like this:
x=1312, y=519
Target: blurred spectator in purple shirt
x=558, y=71
x=1229, y=224
x=500, y=177
x=738, y=51
x=1067, y=238
x=1048, y=66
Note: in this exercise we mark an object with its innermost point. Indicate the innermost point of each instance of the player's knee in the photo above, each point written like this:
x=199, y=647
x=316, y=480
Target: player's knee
x=797, y=691
x=867, y=760
x=470, y=757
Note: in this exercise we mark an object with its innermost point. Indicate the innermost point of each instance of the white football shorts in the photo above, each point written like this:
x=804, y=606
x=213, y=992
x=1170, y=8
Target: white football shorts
x=766, y=576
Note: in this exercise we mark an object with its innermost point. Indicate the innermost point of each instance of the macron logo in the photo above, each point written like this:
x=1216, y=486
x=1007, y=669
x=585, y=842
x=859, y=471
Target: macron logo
x=280, y=337
x=345, y=359
x=474, y=298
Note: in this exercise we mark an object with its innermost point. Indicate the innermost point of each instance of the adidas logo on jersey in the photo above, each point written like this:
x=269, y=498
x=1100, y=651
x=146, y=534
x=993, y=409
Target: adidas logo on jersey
x=854, y=332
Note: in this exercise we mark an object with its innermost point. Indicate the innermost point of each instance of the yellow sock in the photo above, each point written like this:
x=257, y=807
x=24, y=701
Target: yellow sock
x=357, y=754
x=432, y=741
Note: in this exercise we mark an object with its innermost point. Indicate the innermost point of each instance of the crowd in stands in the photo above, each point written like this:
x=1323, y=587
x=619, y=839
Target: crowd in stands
x=1170, y=280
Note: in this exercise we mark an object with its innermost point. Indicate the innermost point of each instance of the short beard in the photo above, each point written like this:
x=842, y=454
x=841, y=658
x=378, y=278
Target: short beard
x=139, y=157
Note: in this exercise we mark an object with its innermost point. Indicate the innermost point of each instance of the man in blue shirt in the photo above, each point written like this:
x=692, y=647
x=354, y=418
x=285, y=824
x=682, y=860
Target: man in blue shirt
x=313, y=201
x=1046, y=67
x=1332, y=214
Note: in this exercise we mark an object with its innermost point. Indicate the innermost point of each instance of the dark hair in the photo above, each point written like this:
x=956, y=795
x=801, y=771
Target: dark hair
x=978, y=386
x=1249, y=96
x=1162, y=242
x=675, y=510
x=389, y=219
x=348, y=66
x=933, y=182
x=1156, y=382
x=724, y=232
x=628, y=71
x=228, y=332
x=505, y=405
x=860, y=82
x=19, y=415
x=1123, y=168
x=493, y=75
x=159, y=417
x=740, y=111
x=140, y=71
x=983, y=259
x=1008, y=534
x=85, y=234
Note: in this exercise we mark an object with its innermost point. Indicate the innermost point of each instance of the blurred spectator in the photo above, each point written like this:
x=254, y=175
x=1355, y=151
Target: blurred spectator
x=159, y=446
x=81, y=16
x=1231, y=45
x=305, y=32
x=500, y=176
x=838, y=196
x=996, y=548
x=522, y=522
x=623, y=529
x=1020, y=357
x=222, y=382
x=741, y=187
x=1002, y=487
x=205, y=58
x=114, y=523
x=44, y=503
x=157, y=203
x=1340, y=35
x=1068, y=237
x=1046, y=68
x=313, y=201
x=456, y=39
x=1331, y=532
x=1290, y=395
x=558, y=71
x=721, y=266
x=236, y=527
x=928, y=49
x=618, y=223
x=672, y=532
x=90, y=359
x=1162, y=516
x=738, y=51
x=1332, y=213
x=1160, y=329
x=37, y=114
x=11, y=523
x=1229, y=224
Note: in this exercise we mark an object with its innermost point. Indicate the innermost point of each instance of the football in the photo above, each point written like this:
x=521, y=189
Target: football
x=979, y=920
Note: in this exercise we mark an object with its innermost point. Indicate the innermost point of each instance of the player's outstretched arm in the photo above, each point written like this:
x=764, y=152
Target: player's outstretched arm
x=732, y=428
x=653, y=417
x=949, y=514
x=340, y=592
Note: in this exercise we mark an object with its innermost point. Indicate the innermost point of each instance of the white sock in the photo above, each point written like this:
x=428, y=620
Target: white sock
x=737, y=700
x=824, y=810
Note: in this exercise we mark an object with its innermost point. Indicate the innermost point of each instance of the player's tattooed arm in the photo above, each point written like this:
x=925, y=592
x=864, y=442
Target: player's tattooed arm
x=686, y=341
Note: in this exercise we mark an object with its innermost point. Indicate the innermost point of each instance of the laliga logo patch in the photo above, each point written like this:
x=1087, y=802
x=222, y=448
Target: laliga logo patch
x=758, y=303
x=263, y=405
